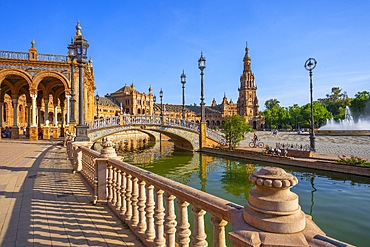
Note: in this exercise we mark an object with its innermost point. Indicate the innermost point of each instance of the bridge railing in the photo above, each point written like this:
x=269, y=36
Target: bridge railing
x=153, y=120
x=217, y=136
x=103, y=123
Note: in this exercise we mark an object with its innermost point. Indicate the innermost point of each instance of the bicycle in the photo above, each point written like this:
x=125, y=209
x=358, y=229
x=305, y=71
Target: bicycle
x=257, y=143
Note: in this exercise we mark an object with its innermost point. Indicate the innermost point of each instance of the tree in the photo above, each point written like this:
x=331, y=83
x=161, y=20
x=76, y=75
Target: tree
x=359, y=103
x=234, y=128
x=336, y=102
x=269, y=104
x=320, y=114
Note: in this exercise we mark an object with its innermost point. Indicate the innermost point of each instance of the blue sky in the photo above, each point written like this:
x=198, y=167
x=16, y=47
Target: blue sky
x=149, y=43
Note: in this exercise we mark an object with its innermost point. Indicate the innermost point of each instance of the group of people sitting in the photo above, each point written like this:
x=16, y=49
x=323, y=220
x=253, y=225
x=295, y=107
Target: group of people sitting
x=6, y=133
x=277, y=151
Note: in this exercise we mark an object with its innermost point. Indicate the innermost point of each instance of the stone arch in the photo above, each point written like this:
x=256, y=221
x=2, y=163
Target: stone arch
x=21, y=73
x=38, y=78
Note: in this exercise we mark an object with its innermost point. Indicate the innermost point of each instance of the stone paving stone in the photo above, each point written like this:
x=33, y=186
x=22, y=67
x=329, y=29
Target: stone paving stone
x=44, y=204
x=326, y=146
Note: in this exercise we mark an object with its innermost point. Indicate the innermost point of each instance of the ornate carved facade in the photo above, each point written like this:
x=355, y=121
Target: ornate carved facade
x=35, y=90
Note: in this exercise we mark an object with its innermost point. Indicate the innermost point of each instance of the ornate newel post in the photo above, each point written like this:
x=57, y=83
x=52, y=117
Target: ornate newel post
x=108, y=150
x=101, y=165
x=271, y=206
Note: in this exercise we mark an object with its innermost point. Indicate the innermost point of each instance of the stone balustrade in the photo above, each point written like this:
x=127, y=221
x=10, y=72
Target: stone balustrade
x=153, y=120
x=157, y=209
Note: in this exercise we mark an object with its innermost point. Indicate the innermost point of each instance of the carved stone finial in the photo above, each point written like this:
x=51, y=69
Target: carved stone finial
x=33, y=43
x=108, y=151
x=78, y=29
x=271, y=206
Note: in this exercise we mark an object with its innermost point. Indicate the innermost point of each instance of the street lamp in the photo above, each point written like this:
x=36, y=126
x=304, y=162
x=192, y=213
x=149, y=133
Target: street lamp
x=81, y=46
x=71, y=55
x=309, y=65
x=97, y=105
x=183, y=81
x=161, y=96
x=202, y=66
x=154, y=100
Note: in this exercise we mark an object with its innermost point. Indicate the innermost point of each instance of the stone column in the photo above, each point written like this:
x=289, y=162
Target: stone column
x=63, y=119
x=55, y=122
x=33, y=128
x=29, y=105
x=46, y=102
x=39, y=116
x=68, y=108
x=15, y=111
x=1, y=113
x=15, y=128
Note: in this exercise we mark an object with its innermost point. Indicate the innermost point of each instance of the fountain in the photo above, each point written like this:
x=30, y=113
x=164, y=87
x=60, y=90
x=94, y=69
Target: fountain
x=347, y=126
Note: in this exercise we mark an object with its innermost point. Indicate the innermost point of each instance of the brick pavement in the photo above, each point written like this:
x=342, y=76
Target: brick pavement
x=42, y=203
x=326, y=146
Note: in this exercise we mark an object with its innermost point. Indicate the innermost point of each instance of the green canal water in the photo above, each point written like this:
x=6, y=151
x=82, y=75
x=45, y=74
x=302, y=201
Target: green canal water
x=338, y=203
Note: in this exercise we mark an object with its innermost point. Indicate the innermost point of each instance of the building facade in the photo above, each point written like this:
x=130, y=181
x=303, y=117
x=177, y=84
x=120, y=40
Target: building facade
x=132, y=101
x=36, y=91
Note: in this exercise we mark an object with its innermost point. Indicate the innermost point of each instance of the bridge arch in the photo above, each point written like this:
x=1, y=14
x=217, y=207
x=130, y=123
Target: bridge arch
x=184, y=134
x=180, y=140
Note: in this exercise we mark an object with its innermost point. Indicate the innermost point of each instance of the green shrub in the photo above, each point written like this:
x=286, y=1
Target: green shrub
x=353, y=160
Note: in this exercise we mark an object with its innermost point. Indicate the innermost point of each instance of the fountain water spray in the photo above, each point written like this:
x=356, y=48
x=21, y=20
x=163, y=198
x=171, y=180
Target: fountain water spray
x=348, y=123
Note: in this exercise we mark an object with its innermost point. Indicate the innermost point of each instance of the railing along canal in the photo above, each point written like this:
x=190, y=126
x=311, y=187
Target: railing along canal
x=147, y=202
x=156, y=208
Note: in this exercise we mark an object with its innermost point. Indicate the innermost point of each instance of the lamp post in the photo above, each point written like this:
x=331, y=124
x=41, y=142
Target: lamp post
x=309, y=65
x=71, y=54
x=154, y=100
x=97, y=105
x=161, y=96
x=183, y=81
x=81, y=46
x=202, y=66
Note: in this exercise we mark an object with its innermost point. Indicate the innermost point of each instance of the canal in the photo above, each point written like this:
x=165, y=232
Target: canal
x=338, y=203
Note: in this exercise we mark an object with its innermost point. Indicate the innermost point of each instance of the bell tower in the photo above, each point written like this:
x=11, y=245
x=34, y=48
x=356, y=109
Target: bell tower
x=247, y=101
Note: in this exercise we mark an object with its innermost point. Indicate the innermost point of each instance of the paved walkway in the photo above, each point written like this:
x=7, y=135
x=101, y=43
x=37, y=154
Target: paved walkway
x=329, y=147
x=43, y=204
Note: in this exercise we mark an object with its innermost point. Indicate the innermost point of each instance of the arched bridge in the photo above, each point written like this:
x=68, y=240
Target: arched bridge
x=185, y=134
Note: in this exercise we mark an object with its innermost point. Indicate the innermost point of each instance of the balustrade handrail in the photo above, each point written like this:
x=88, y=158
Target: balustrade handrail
x=14, y=55
x=39, y=57
x=123, y=190
x=210, y=203
x=156, y=208
x=153, y=120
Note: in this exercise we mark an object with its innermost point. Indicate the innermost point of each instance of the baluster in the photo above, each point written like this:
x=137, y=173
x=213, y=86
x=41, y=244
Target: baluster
x=109, y=183
x=118, y=188
x=141, y=227
x=218, y=232
x=123, y=195
x=159, y=219
x=134, y=199
x=114, y=199
x=183, y=231
x=170, y=220
x=128, y=197
x=150, y=232
x=199, y=235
